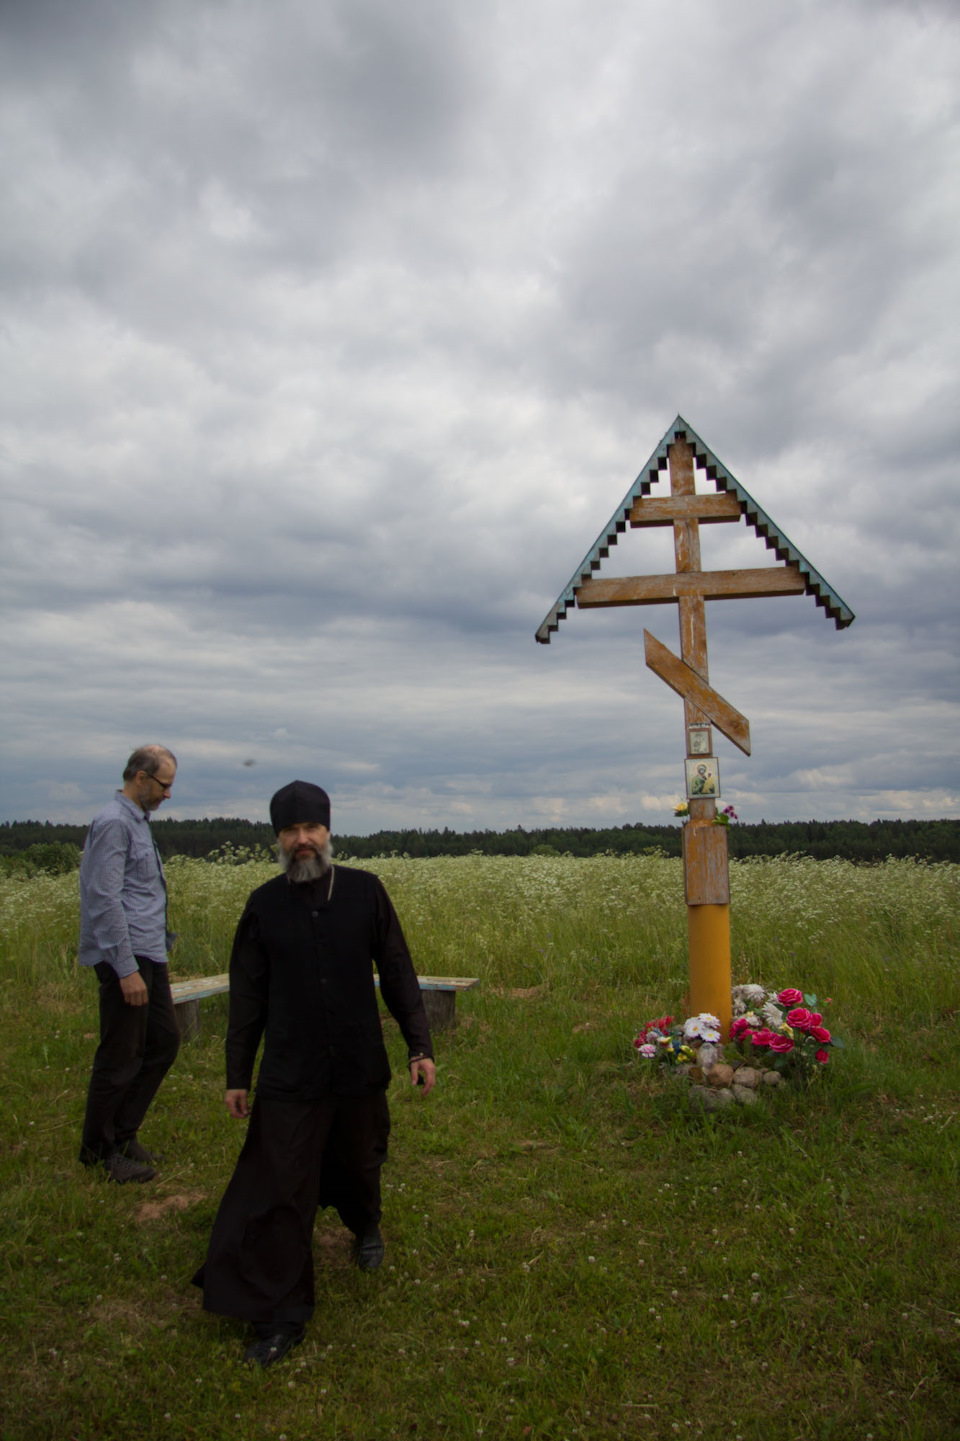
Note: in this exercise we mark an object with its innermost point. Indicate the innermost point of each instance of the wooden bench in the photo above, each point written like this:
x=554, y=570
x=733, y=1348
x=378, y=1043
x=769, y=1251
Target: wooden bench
x=439, y=999
x=187, y=996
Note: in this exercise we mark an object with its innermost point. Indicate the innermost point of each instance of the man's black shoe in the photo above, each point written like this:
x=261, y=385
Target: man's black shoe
x=121, y=1169
x=133, y=1151
x=368, y=1249
x=268, y=1349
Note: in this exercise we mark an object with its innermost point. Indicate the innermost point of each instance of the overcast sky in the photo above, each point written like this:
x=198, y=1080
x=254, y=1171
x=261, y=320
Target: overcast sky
x=332, y=334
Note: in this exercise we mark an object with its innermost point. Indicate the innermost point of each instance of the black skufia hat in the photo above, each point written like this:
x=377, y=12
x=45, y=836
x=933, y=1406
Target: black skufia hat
x=298, y=803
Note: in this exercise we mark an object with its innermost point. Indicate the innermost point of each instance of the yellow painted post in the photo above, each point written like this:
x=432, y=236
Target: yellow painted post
x=708, y=930
x=706, y=880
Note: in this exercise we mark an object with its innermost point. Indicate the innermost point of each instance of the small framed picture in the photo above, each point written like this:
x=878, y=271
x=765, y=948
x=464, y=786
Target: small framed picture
x=698, y=740
x=703, y=777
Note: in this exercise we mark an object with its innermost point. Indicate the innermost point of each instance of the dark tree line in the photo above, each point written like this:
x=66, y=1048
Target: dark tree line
x=41, y=845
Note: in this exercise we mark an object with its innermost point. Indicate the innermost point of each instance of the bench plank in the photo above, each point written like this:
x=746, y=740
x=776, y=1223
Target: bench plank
x=443, y=983
x=199, y=987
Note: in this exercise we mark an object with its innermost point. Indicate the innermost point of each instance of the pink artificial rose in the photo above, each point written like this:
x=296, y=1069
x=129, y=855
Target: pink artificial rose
x=800, y=1018
x=815, y=1019
x=762, y=1038
x=821, y=1034
x=738, y=1028
x=823, y=1057
x=781, y=1044
x=790, y=997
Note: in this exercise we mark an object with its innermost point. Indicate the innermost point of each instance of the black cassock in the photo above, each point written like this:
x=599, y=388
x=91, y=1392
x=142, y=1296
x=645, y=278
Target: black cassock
x=301, y=977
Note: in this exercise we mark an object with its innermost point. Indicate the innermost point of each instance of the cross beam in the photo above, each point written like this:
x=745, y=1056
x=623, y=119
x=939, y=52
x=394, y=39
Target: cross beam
x=710, y=584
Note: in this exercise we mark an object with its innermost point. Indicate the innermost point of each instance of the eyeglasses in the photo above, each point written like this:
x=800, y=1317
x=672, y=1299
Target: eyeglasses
x=164, y=785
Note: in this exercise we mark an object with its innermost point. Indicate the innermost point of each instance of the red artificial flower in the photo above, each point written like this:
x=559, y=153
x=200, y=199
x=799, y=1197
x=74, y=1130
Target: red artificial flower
x=762, y=1038
x=662, y=1024
x=790, y=997
x=815, y=1019
x=781, y=1044
x=800, y=1019
x=821, y=1034
x=738, y=1028
x=823, y=1057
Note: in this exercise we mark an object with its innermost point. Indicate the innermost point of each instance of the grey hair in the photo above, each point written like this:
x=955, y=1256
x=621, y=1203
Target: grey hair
x=147, y=759
x=309, y=870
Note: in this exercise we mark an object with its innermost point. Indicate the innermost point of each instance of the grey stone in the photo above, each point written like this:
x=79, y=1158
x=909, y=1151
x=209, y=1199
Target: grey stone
x=707, y=1098
x=746, y=1095
x=708, y=1055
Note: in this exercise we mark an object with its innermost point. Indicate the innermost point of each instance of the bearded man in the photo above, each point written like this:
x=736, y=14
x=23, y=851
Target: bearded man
x=301, y=977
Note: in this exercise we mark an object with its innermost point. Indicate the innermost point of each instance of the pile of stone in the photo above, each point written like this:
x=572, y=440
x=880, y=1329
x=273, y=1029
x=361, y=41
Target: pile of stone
x=716, y=1082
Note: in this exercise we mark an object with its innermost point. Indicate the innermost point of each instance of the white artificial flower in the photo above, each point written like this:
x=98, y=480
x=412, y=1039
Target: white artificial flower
x=772, y=1014
x=703, y=1027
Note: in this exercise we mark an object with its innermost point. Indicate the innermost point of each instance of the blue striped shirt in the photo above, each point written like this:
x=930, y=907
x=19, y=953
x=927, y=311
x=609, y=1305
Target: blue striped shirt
x=123, y=895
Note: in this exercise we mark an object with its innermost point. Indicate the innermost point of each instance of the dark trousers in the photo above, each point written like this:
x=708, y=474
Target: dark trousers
x=137, y=1047
x=297, y=1155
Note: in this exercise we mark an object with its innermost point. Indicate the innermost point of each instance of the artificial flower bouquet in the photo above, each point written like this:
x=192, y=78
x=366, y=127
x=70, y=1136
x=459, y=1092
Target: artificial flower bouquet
x=726, y=817
x=782, y=1027
x=780, y=1031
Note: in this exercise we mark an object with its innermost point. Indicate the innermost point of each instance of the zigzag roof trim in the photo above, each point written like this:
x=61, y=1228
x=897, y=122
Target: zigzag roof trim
x=774, y=538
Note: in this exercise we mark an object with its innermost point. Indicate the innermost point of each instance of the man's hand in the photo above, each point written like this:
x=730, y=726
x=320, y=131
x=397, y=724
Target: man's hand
x=423, y=1073
x=237, y=1104
x=134, y=989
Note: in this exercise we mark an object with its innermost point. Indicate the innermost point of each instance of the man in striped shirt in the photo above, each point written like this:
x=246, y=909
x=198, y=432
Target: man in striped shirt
x=124, y=937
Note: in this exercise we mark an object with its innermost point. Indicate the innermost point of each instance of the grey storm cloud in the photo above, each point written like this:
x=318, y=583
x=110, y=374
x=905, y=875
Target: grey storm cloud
x=334, y=333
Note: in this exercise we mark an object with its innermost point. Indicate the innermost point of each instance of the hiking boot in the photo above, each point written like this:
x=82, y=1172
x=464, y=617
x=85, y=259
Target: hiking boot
x=368, y=1249
x=121, y=1169
x=133, y=1151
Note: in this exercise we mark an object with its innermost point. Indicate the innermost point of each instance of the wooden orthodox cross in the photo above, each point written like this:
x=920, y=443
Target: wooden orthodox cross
x=705, y=861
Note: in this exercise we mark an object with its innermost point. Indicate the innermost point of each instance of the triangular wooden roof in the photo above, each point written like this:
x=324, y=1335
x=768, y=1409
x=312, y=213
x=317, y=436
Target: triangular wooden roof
x=785, y=550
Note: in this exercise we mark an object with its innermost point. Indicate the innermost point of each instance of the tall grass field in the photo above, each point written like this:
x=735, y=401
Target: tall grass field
x=572, y=1251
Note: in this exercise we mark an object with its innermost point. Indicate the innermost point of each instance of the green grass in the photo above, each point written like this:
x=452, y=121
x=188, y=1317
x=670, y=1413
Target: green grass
x=571, y=1253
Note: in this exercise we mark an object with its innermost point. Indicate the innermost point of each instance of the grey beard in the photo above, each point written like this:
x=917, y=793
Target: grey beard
x=310, y=869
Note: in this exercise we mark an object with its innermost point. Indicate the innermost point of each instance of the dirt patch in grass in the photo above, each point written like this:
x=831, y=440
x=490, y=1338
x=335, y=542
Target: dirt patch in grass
x=156, y=1210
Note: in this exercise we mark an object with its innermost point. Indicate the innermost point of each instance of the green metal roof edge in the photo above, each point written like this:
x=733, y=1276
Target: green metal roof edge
x=785, y=550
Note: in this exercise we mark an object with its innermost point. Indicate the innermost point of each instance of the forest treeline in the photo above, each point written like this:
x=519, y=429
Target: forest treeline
x=43, y=845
